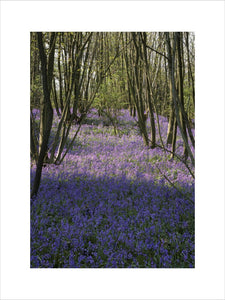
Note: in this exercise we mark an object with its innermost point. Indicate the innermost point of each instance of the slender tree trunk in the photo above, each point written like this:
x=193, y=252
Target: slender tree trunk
x=33, y=142
x=46, y=107
x=178, y=36
x=171, y=65
x=190, y=69
x=60, y=76
x=174, y=137
x=171, y=117
x=55, y=98
x=149, y=93
x=170, y=126
x=138, y=89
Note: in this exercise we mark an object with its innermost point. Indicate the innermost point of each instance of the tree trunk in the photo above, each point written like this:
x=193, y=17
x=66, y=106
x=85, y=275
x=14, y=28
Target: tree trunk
x=33, y=143
x=149, y=93
x=178, y=36
x=171, y=118
x=170, y=126
x=55, y=98
x=46, y=107
x=174, y=137
x=171, y=65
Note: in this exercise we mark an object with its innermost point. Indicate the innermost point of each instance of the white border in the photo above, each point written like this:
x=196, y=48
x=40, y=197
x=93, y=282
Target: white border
x=206, y=19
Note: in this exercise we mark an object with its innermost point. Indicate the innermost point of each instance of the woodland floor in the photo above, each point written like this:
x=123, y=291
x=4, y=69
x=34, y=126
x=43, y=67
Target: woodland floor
x=107, y=205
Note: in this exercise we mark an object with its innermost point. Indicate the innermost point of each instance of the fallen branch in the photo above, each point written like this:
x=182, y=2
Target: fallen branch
x=173, y=185
x=177, y=156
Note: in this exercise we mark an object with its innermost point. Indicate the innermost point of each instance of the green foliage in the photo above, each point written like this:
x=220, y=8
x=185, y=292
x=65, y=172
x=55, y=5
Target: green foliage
x=188, y=102
x=109, y=95
x=36, y=92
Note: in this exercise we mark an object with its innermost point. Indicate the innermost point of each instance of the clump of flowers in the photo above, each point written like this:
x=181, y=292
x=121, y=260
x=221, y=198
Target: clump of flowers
x=108, y=206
